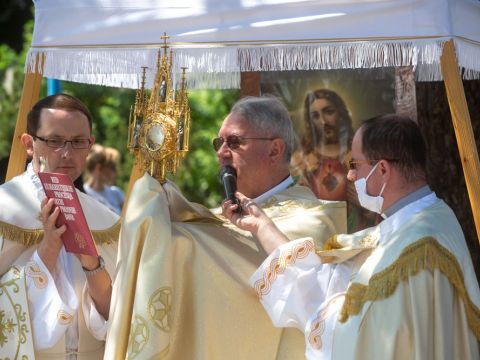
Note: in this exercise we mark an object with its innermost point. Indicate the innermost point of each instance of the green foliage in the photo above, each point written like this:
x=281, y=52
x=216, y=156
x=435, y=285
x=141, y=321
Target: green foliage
x=197, y=176
x=110, y=108
x=198, y=173
x=11, y=84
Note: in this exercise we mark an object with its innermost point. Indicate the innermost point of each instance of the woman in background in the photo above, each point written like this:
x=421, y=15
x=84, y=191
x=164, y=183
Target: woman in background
x=102, y=163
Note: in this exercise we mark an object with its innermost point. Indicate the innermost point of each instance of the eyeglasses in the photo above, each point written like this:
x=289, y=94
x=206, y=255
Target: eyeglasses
x=233, y=141
x=60, y=143
x=352, y=164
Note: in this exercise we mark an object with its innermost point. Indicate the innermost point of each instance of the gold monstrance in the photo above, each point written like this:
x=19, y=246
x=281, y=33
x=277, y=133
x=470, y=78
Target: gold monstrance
x=159, y=123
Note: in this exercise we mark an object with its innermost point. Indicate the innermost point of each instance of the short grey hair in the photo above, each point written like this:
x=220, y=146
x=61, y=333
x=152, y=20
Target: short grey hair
x=270, y=116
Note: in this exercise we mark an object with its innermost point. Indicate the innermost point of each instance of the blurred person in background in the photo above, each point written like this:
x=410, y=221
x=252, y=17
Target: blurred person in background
x=102, y=165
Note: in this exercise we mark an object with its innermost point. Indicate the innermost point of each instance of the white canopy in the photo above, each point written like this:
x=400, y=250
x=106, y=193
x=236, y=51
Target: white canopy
x=107, y=41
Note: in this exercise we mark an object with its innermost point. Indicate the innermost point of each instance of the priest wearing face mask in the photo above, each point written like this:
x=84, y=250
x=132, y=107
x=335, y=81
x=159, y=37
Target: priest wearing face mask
x=405, y=288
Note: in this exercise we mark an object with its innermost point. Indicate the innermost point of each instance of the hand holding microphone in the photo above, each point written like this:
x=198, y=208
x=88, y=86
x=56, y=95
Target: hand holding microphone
x=248, y=215
x=228, y=176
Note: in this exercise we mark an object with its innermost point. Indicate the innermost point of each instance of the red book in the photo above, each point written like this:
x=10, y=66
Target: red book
x=77, y=238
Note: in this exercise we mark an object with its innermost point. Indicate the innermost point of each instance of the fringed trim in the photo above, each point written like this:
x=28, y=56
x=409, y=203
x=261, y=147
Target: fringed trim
x=29, y=237
x=121, y=67
x=230, y=80
x=425, y=254
x=210, y=67
x=351, y=55
x=278, y=265
x=468, y=55
x=107, y=236
x=26, y=237
x=220, y=66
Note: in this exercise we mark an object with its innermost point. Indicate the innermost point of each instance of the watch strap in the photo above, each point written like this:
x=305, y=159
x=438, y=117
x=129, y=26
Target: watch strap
x=100, y=267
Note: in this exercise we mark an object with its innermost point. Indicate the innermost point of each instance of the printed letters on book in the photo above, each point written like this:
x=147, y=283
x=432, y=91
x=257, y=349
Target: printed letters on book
x=77, y=238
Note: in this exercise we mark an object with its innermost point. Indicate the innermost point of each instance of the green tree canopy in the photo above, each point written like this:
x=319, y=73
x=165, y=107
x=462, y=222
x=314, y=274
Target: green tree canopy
x=197, y=176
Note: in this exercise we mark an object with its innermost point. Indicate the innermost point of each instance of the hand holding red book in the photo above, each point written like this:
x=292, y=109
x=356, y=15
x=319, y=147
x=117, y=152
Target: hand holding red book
x=77, y=238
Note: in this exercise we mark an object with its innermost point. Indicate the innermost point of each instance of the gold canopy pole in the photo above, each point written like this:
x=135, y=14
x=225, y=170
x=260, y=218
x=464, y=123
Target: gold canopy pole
x=463, y=128
x=30, y=95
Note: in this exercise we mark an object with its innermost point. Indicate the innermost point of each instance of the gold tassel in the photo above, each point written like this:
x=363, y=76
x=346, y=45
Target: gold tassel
x=107, y=236
x=332, y=244
x=26, y=237
x=29, y=237
x=425, y=254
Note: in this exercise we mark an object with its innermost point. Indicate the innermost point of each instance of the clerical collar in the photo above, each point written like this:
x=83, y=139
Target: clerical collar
x=404, y=201
x=275, y=190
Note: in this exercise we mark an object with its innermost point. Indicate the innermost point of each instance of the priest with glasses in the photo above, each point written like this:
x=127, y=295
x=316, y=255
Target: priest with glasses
x=53, y=304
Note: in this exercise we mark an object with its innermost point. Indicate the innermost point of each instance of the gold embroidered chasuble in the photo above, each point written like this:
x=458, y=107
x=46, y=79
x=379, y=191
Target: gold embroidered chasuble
x=181, y=290
x=415, y=297
x=16, y=340
x=20, y=232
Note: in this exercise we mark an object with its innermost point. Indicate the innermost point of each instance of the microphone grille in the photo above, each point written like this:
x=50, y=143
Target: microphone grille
x=227, y=170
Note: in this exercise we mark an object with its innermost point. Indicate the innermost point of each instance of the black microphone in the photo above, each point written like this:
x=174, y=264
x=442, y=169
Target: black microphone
x=228, y=176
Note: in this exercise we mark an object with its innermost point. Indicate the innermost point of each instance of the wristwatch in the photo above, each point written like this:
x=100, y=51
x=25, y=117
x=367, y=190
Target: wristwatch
x=99, y=268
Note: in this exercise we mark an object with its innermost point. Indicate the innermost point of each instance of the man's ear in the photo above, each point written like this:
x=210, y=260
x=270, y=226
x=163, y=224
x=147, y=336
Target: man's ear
x=27, y=141
x=277, y=149
x=385, y=169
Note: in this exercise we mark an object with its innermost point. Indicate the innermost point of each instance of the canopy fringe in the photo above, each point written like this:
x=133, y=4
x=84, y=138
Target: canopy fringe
x=220, y=67
x=468, y=56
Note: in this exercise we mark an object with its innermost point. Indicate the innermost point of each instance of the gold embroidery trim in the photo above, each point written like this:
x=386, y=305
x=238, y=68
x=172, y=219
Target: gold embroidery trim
x=15, y=329
x=285, y=207
x=64, y=318
x=425, y=254
x=139, y=336
x=160, y=308
x=317, y=327
x=29, y=237
x=40, y=279
x=369, y=241
x=278, y=265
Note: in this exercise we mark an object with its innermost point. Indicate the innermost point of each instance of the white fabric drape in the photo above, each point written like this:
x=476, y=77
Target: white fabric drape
x=106, y=42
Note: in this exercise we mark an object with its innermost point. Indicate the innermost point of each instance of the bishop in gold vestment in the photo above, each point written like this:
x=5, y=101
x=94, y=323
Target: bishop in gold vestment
x=181, y=289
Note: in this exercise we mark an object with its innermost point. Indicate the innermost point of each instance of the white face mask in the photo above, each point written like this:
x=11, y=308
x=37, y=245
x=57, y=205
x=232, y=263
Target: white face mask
x=372, y=203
